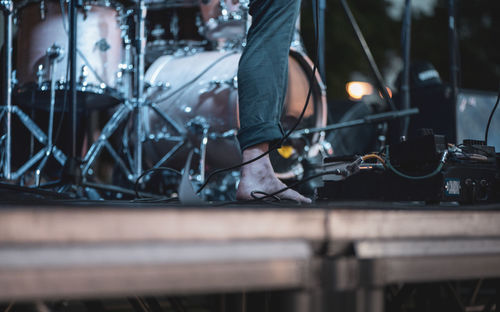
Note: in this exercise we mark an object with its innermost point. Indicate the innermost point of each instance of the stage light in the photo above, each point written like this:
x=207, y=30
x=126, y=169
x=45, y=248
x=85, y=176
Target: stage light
x=358, y=89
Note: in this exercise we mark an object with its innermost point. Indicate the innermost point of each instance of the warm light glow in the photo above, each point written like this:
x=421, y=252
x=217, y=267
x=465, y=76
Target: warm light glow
x=389, y=91
x=358, y=89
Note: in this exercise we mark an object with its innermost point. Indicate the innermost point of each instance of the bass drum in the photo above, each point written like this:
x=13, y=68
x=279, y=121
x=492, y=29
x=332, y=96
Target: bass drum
x=203, y=88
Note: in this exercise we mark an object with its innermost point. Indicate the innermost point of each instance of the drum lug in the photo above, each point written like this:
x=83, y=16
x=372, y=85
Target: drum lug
x=158, y=32
x=14, y=80
x=224, y=10
x=126, y=68
x=174, y=26
x=157, y=87
x=43, y=10
x=86, y=8
x=84, y=73
x=40, y=73
x=6, y=5
x=55, y=52
x=233, y=83
x=199, y=25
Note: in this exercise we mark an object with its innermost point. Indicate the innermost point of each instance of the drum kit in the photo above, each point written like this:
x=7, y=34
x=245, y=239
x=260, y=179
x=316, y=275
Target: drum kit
x=162, y=72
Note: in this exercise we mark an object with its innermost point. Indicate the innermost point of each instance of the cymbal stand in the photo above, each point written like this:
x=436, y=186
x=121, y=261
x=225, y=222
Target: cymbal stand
x=139, y=83
x=7, y=8
x=54, y=55
x=8, y=110
x=135, y=108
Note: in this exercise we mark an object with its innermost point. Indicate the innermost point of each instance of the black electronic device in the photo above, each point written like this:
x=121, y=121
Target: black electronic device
x=426, y=169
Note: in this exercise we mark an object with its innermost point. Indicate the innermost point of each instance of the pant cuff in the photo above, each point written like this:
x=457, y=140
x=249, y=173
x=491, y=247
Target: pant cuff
x=260, y=133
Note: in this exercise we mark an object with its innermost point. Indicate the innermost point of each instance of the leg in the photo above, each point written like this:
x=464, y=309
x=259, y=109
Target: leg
x=262, y=81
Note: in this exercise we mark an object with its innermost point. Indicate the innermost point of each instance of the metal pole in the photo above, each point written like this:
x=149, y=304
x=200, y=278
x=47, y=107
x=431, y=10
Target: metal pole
x=405, y=48
x=321, y=40
x=454, y=70
x=368, y=54
x=7, y=7
x=72, y=73
x=139, y=82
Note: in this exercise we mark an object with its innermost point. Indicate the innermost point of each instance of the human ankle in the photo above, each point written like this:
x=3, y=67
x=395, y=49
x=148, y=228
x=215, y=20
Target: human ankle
x=255, y=151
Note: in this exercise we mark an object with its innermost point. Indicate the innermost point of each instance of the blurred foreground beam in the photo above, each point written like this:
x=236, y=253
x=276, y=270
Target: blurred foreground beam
x=104, y=270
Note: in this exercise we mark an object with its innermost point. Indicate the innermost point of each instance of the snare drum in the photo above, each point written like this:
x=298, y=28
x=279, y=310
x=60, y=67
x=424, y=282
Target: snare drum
x=43, y=24
x=224, y=19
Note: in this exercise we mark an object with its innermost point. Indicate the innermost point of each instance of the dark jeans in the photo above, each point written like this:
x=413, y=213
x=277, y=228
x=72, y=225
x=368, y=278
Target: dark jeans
x=263, y=70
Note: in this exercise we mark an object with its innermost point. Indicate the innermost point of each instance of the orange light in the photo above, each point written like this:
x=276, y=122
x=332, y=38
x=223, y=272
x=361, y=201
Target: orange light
x=358, y=89
x=389, y=91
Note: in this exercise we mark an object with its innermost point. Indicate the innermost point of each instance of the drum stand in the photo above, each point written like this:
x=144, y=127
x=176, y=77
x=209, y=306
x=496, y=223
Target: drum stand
x=136, y=110
x=54, y=55
x=8, y=110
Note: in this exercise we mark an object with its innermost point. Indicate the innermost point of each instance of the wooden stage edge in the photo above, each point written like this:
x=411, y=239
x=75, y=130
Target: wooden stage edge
x=62, y=224
x=102, y=250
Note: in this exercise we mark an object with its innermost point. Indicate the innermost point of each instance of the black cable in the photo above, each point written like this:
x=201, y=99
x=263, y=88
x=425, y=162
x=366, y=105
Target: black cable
x=490, y=118
x=152, y=170
x=277, y=145
x=409, y=177
x=255, y=193
x=274, y=194
x=37, y=191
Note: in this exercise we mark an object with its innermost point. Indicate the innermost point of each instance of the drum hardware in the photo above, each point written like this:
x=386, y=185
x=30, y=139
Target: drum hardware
x=224, y=19
x=84, y=74
x=198, y=127
x=158, y=87
x=198, y=134
x=174, y=31
x=40, y=73
x=233, y=83
x=54, y=55
x=158, y=32
x=133, y=110
x=72, y=51
x=174, y=26
x=199, y=24
x=43, y=10
x=8, y=110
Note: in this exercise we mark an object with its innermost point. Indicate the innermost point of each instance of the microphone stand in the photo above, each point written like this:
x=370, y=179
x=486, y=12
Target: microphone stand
x=71, y=172
x=321, y=36
x=454, y=69
x=405, y=48
x=368, y=54
x=370, y=119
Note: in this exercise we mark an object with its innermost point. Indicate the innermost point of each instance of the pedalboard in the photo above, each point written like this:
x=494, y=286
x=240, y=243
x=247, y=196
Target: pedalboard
x=470, y=174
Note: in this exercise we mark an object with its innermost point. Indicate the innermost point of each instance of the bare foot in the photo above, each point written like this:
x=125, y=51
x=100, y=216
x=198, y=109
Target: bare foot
x=259, y=176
